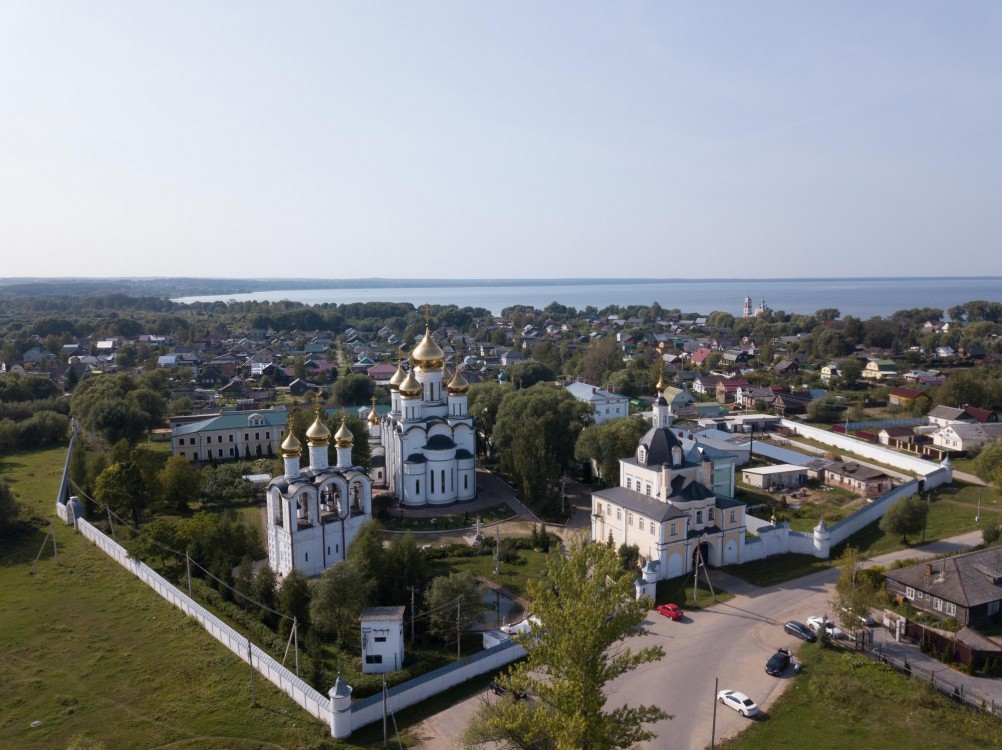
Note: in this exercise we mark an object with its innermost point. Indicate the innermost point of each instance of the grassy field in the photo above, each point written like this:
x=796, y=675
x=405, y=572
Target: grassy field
x=842, y=700
x=515, y=577
x=88, y=650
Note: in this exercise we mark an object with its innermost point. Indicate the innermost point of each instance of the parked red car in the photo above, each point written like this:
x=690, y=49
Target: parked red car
x=670, y=610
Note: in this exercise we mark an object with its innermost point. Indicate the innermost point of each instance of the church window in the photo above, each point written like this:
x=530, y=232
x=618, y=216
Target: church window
x=733, y=516
x=608, y=510
x=431, y=487
x=648, y=488
x=328, y=549
x=417, y=486
x=628, y=481
x=257, y=435
x=373, y=658
x=709, y=514
x=629, y=518
x=231, y=438
x=307, y=556
x=443, y=480
x=699, y=516
x=267, y=436
x=673, y=528
x=231, y=451
x=619, y=514
x=246, y=436
x=208, y=438
x=466, y=481
x=380, y=639
x=640, y=523
x=652, y=527
x=598, y=508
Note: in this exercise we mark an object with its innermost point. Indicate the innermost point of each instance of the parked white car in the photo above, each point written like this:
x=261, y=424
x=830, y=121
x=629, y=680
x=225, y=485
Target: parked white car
x=738, y=701
x=817, y=623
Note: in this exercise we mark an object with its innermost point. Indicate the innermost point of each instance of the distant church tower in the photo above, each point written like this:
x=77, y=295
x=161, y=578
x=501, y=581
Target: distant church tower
x=746, y=311
x=662, y=415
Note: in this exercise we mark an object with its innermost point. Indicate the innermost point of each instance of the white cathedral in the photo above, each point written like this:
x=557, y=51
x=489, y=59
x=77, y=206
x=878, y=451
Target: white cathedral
x=315, y=512
x=428, y=438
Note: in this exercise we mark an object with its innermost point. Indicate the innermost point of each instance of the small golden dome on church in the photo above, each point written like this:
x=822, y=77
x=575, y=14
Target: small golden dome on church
x=458, y=383
x=373, y=414
x=660, y=387
x=428, y=355
x=291, y=447
x=410, y=388
x=343, y=437
x=318, y=434
x=398, y=377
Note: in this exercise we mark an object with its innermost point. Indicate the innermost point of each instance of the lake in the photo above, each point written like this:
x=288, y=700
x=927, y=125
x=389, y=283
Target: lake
x=862, y=297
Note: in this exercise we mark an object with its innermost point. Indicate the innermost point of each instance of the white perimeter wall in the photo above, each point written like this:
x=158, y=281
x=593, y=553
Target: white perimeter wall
x=263, y=662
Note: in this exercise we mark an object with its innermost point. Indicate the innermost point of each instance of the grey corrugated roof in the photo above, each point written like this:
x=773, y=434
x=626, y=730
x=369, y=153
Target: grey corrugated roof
x=967, y=580
x=646, y=506
x=382, y=613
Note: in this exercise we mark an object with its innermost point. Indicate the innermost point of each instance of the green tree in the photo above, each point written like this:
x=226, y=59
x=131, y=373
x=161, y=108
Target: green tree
x=119, y=487
x=180, y=483
x=988, y=464
x=294, y=598
x=527, y=373
x=850, y=371
x=602, y=356
x=353, y=390
x=482, y=404
x=906, y=516
x=605, y=444
x=8, y=508
x=855, y=593
x=535, y=434
x=456, y=595
x=825, y=410
x=585, y=610
x=339, y=596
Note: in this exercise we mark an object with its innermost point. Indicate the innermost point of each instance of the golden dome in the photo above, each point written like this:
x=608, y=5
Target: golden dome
x=373, y=414
x=660, y=387
x=410, y=388
x=291, y=447
x=318, y=434
x=458, y=383
x=428, y=355
x=343, y=437
x=398, y=377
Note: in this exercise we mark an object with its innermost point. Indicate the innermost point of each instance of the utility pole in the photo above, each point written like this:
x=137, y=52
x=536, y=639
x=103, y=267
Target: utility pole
x=385, y=730
x=459, y=634
x=695, y=577
x=977, y=518
x=713, y=731
x=250, y=662
x=413, y=613
x=295, y=634
x=55, y=552
x=112, y=525
x=187, y=561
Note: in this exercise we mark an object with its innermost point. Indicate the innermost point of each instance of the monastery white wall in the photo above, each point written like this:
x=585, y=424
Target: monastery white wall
x=262, y=662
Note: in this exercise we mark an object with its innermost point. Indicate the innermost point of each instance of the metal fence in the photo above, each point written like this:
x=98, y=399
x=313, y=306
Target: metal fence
x=944, y=679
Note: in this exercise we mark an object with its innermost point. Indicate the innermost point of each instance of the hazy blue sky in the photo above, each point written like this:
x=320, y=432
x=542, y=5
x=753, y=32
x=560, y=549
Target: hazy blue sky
x=505, y=139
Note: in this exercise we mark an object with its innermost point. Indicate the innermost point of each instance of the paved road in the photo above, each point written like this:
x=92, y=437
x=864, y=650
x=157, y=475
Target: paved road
x=731, y=641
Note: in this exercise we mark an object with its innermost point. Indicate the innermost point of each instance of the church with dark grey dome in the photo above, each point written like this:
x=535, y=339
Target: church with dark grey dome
x=428, y=439
x=667, y=503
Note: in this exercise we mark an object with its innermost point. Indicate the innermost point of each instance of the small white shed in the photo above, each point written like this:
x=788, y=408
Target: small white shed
x=382, y=639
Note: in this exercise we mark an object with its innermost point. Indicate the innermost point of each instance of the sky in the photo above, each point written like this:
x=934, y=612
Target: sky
x=500, y=140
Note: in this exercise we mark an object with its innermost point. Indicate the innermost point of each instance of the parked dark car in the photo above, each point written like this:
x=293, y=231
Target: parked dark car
x=500, y=688
x=778, y=662
x=800, y=630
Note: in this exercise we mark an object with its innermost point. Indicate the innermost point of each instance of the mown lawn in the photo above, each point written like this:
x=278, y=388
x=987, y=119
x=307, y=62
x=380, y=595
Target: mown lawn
x=515, y=577
x=842, y=700
x=86, y=649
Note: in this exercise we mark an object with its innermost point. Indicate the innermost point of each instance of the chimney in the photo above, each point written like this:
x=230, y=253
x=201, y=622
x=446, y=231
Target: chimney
x=928, y=569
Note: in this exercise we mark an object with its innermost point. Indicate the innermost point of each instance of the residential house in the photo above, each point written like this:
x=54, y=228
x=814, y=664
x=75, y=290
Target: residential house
x=706, y=384
x=880, y=369
x=966, y=437
x=863, y=480
x=966, y=587
x=907, y=397
x=788, y=404
x=943, y=416
x=830, y=371
x=894, y=436
x=727, y=389
x=605, y=405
